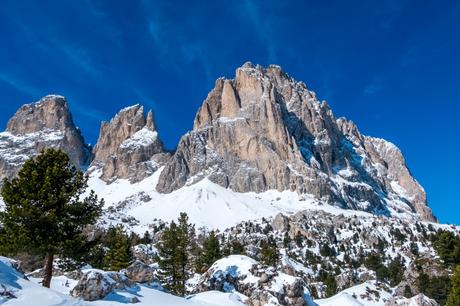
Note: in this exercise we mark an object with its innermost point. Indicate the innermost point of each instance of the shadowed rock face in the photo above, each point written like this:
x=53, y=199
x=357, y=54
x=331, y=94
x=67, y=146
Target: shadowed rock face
x=263, y=130
x=128, y=146
x=44, y=124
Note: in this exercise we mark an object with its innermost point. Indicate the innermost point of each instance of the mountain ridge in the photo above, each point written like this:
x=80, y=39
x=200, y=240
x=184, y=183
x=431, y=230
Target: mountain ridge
x=260, y=131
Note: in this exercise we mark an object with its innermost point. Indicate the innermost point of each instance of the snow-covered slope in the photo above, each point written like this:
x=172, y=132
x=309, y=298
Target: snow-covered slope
x=370, y=293
x=207, y=204
x=23, y=292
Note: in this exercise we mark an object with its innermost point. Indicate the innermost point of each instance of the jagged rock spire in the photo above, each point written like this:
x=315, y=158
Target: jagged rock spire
x=263, y=130
x=128, y=146
x=44, y=124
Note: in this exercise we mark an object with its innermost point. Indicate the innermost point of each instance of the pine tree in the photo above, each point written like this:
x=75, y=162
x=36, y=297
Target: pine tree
x=45, y=213
x=174, y=250
x=269, y=252
x=454, y=296
x=211, y=250
x=186, y=234
x=119, y=255
x=147, y=238
x=166, y=251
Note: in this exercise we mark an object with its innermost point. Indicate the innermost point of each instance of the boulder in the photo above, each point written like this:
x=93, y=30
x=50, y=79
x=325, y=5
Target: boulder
x=96, y=284
x=139, y=272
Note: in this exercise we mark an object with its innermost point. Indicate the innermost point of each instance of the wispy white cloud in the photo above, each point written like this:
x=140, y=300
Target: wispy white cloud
x=20, y=85
x=375, y=86
x=78, y=56
x=49, y=43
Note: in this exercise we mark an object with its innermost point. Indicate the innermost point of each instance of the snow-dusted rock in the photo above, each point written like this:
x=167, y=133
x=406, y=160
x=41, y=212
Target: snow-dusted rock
x=96, y=284
x=139, y=272
x=128, y=146
x=43, y=124
x=263, y=130
x=16, y=290
x=418, y=300
x=261, y=284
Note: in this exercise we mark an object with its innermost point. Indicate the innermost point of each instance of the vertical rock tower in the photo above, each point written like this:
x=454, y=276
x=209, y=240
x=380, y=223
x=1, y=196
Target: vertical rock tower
x=263, y=130
x=43, y=124
x=128, y=146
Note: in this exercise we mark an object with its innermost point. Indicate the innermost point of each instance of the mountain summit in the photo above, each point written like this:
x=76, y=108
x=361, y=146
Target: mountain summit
x=46, y=123
x=128, y=146
x=261, y=131
x=264, y=130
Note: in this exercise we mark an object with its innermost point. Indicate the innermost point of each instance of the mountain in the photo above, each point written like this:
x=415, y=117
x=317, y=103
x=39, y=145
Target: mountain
x=263, y=130
x=273, y=171
x=260, y=132
x=128, y=146
x=44, y=124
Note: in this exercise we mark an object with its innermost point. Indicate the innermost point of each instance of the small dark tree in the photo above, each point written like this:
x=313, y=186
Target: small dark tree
x=268, y=252
x=454, y=296
x=396, y=271
x=44, y=209
x=447, y=245
x=147, y=238
x=211, y=250
x=236, y=247
x=408, y=292
x=119, y=255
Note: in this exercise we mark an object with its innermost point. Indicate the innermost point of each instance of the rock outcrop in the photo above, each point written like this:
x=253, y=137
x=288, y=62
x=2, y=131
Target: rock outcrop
x=43, y=124
x=264, y=130
x=96, y=284
x=261, y=284
x=140, y=272
x=418, y=300
x=128, y=146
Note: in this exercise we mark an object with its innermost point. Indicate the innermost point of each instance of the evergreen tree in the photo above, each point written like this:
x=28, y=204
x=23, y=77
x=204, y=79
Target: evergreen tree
x=186, y=232
x=134, y=239
x=147, y=238
x=211, y=250
x=237, y=248
x=408, y=292
x=395, y=271
x=447, y=245
x=119, y=255
x=269, y=252
x=329, y=281
x=167, y=248
x=45, y=213
x=175, y=260
x=454, y=296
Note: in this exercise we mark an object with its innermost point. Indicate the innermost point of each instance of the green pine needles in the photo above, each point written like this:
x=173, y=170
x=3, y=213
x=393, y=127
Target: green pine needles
x=45, y=213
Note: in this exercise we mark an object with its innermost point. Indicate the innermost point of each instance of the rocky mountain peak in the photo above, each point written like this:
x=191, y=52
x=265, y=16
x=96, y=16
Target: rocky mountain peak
x=50, y=112
x=128, y=146
x=46, y=123
x=264, y=130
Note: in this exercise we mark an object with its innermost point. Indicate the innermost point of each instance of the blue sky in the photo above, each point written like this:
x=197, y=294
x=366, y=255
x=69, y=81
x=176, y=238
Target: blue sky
x=392, y=66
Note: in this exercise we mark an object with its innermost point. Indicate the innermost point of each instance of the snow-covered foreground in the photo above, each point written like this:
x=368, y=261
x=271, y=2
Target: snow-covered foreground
x=207, y=204
x=365, y=294
x=29, y=292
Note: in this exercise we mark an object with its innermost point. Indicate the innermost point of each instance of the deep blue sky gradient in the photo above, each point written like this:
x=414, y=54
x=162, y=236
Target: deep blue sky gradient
x=391, y=66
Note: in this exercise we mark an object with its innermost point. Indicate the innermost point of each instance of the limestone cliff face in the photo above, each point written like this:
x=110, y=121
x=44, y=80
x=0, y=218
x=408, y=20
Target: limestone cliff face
x=43, y=124
x=128, y=146
x=263, y=130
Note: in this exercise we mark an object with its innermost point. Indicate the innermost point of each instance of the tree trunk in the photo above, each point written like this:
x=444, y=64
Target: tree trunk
x=48, y=270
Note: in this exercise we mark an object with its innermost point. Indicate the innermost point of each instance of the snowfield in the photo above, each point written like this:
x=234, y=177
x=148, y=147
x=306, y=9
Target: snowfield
x=206, y=204
x=29, y=292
